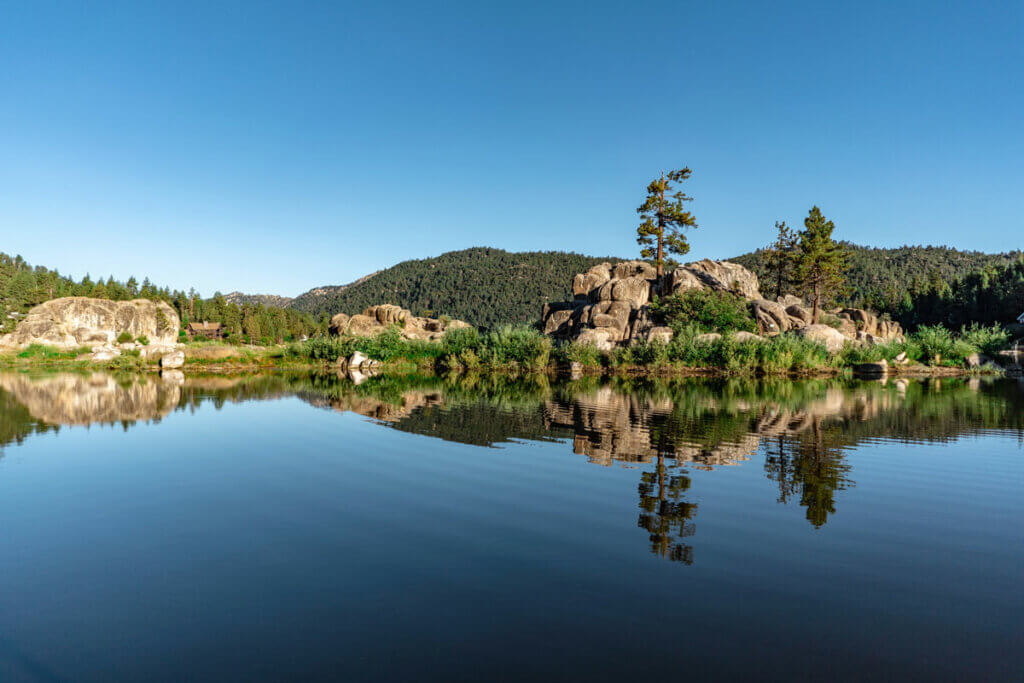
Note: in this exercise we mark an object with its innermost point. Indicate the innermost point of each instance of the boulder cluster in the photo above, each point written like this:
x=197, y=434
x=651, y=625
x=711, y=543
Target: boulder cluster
x=102, y=325
x=377, y=319
x=74, y=321
x=611, y=306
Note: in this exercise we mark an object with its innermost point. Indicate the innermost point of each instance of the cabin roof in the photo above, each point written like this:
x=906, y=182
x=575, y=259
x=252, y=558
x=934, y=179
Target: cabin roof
x=204, y=326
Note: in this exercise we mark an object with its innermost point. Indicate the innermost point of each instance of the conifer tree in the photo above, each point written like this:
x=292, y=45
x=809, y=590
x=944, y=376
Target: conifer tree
x=820, y=261
x=664, y=220
x=781, y=256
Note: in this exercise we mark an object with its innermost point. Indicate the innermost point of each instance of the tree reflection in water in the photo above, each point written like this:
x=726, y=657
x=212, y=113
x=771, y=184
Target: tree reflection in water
x=664, y=515
x=808, y=466
x=802, y=428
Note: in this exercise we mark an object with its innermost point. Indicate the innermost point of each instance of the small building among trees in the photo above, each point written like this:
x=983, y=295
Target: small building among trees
x=205, y=330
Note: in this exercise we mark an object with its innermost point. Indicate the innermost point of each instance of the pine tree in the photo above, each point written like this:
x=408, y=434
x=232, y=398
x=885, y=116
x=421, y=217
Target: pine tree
x=664, y=220
x=781, y=256
x=820, y=261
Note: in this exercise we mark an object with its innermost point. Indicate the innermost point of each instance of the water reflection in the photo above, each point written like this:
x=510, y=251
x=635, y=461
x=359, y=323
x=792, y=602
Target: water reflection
x=804, y=430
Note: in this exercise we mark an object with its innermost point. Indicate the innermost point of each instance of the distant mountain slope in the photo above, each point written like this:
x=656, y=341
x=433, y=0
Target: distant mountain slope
x=268, y=300
x=480, y=285
x=880, y=278
x=314, y=299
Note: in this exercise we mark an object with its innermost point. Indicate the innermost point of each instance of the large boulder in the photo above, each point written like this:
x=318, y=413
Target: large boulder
x=612, y=306
x=585, y=283
x=339, y=324
x=640, y=269
x=798, y=315
x=831, y=338
x=172, y=360
x=659, y=334
x=743, y=336
x=558, y=323
x=771, y=316
x=726, y=276
x=864, y=321
x=76, y=321
x=377, y=319
x=388, y=314
x=680, y=280
x=636, y=291
x=602, y=340
x=615, y=299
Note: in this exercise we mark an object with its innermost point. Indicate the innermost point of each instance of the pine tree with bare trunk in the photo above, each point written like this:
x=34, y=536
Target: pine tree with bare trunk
x=664, y=219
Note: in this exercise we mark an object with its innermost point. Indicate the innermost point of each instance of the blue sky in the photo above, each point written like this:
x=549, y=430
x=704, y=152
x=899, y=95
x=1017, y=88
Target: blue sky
x=273, y=147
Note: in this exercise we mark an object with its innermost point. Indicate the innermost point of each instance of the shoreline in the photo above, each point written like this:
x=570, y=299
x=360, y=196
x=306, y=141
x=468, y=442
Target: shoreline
x=556, y=370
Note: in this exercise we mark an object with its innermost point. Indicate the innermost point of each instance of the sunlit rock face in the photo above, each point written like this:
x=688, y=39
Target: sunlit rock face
x=76, y=321
x=611, y=306
x=377, y=319
x=71, y=399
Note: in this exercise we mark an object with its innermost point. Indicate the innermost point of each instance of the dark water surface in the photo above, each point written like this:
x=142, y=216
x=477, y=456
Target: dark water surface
x=304, y=528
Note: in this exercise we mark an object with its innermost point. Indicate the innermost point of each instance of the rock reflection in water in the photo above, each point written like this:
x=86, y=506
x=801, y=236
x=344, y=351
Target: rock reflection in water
x=84, y=399
x=803, y=430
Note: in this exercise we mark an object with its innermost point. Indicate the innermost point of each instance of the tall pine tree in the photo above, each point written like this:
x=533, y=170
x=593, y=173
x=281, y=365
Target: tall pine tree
x=781, y=257
x=820, y=261
x=664, y=219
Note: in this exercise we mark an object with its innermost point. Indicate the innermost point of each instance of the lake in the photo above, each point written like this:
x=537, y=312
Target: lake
x=293, y=527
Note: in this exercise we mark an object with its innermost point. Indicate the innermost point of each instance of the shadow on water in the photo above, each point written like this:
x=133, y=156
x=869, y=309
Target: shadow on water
x=804, y=429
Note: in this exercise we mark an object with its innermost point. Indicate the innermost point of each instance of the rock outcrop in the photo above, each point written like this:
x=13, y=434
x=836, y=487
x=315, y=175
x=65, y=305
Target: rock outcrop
x=377, y=319
x=610, y=306
x=76, y=321
x=831, y=338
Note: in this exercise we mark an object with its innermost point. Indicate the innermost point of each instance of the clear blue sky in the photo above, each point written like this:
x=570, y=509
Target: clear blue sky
x=272, y=147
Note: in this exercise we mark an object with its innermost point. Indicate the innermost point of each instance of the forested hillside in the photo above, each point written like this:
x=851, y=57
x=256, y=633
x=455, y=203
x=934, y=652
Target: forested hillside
x=23, y=286
x=314, y=298
x=889, y=280
x=994, y=294
x=482, y=286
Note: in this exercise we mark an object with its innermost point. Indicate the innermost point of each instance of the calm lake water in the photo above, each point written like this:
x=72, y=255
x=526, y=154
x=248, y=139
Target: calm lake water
x=305, y=528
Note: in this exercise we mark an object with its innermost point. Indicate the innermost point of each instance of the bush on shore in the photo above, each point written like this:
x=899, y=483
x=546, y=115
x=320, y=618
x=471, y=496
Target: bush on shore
x=775, y=355
x=707, y=310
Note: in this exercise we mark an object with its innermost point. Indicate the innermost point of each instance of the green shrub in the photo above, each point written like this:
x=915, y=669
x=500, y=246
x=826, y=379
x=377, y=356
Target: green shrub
x=124, y=337
x=454, y=342
x=143, y=340
x=523, y=346
x=780, y=354
x=650, y=353
x=709, y=310
x=469, y=359
x=584, y=354
x=321, y=348
x=934, y=340
x=988, y=340
x=872, y=353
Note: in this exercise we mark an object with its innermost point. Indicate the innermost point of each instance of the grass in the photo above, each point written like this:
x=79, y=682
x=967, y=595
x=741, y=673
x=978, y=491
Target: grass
x=42, y=352
x=506, y=348
x=782, y=354
x=522, y=349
